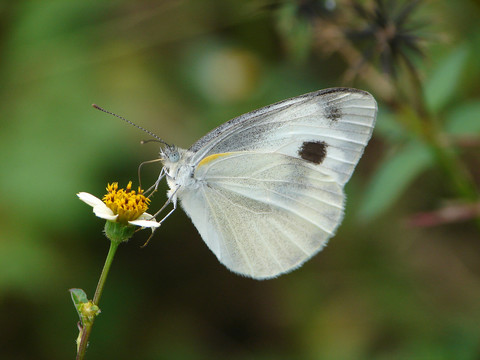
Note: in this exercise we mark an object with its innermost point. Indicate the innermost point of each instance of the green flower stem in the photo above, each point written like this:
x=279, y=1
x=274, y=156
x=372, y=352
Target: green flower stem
x=430, y=132
x=87, y=325
x=458, y=176
x=82, y=347
x=106, y=268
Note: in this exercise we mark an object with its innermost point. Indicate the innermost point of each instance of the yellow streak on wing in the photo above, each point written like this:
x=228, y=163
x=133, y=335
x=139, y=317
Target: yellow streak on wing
x=206, y=160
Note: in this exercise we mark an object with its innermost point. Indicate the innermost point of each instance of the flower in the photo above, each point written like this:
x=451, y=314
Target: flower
x=88, y=311
x=389, y=33
x=124, y=206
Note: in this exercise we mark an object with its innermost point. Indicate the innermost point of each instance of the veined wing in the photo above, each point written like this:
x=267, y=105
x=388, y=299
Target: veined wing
x=263, y=215
x=337, y=121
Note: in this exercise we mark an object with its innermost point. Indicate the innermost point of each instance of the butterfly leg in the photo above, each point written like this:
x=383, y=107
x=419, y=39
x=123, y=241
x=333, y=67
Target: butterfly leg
x=172, y=198
x=154, y=187
x=174, y=202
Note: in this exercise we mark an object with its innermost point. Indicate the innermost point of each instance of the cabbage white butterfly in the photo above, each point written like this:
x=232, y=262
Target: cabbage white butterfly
x=265, y=189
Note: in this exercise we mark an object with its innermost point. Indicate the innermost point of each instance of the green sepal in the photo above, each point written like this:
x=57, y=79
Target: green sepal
x=119, y=232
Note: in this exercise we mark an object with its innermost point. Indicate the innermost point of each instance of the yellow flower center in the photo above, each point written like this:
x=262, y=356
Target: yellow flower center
x=127, y=203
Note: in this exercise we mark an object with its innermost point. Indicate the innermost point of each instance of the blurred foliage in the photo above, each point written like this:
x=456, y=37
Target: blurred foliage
x=382, y=289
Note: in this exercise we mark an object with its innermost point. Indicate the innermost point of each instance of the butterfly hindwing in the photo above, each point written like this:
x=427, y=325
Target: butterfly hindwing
x=264, y=215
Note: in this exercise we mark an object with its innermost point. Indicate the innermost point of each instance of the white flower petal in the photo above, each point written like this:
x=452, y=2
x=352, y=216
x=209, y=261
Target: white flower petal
x=145, y=223
x=146, y=216
x=89, y=199
x=104, y=212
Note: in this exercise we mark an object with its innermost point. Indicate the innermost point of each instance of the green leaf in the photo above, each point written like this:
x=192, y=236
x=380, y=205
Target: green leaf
x=390, y=127
x=445, y=80
x=464, y=119
x=79, y=297
x=297, y=32
x=393, y=177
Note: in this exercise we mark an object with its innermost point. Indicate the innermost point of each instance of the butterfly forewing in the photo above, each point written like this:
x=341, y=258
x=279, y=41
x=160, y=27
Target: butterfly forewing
x=340, y=119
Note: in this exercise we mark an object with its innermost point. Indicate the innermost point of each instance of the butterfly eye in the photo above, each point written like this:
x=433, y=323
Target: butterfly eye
x=173, y=155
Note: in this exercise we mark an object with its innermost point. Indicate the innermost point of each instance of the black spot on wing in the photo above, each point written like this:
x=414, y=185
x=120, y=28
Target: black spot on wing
x=314, y=152
x=332, y=112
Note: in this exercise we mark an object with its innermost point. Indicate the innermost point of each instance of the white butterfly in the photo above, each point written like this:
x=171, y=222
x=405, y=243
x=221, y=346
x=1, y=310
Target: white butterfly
x=265, y=190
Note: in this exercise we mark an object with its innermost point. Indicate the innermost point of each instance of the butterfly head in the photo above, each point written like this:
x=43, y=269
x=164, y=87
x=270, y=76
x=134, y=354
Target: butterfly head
x=177, y=171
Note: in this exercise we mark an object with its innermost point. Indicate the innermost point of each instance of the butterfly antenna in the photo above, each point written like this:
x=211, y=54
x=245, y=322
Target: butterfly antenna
x=149, y=141
x=131, y=123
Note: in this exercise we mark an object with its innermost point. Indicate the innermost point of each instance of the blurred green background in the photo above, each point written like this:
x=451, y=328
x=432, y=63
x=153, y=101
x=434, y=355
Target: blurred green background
x=386, y=287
